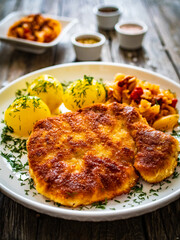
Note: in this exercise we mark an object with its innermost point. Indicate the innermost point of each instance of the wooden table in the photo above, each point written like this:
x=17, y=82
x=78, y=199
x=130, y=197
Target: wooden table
x=160, y=53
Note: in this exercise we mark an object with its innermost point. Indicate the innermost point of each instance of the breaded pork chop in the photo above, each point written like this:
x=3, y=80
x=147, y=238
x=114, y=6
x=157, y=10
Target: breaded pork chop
x=81, y=157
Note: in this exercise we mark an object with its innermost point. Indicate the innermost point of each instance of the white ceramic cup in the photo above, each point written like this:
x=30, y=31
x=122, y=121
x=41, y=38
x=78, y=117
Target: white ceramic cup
x=88, y=52
x=107, y=20
x=131, y=40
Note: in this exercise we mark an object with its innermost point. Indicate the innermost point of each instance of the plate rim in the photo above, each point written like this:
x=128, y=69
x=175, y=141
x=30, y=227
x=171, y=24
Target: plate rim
x=85, y=215
x=93, y=216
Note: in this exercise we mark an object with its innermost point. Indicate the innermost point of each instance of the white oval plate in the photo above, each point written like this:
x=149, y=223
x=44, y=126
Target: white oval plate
x=32, y=46
x=129, y=206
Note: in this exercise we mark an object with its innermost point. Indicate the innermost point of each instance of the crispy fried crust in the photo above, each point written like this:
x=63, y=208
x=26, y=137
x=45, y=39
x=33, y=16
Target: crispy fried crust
x=86, y=156
x=157, y=153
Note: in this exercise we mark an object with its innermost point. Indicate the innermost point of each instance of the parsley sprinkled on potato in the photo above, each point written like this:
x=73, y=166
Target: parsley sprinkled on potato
x=49, y=89
x=24, y=112
x=84, y=92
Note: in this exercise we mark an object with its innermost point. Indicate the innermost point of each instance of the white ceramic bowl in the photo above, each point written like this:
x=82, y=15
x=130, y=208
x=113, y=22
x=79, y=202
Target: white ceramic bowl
x=131, y=40
x=32, y=46
x=88, y=52
x=107, y=19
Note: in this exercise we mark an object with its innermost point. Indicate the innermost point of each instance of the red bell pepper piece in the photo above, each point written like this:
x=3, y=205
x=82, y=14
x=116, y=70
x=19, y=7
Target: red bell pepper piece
x=136, y=93
x=174, y=102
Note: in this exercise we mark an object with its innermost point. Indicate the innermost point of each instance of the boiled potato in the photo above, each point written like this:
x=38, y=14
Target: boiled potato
x=24, y=112
x=167, y=122
x=48, y=89
x=84, y=92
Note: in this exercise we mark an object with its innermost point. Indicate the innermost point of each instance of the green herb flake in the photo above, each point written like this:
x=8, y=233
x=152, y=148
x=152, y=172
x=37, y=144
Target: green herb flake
x=100, y=204
x=26, y=192
x=175, y=175
x=65, y=85
x=112, y=209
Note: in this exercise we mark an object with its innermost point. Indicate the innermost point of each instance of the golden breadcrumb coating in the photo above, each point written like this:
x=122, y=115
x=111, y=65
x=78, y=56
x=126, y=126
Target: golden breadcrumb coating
x=86, y=156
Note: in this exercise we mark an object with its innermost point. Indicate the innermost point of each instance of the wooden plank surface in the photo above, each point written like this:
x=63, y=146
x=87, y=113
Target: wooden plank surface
x=160, y=53
x=166, y=22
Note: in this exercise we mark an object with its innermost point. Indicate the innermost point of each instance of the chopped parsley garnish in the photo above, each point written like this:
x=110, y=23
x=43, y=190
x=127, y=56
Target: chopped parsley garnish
x=100, y=204
x=80, y=90
x=88, y=79
x=41, y=85
x=13, y=150
x=22, y=92
x=15, y=163
x=175, y=175
x=57, y=204
x=178, y=160
x=112, y=208
x=65, y=85
x=15, y=145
